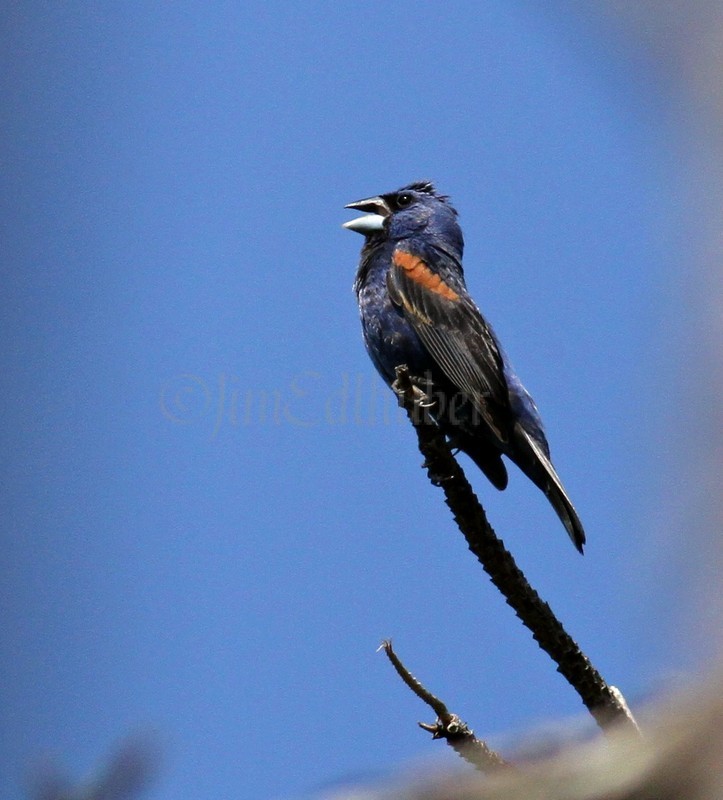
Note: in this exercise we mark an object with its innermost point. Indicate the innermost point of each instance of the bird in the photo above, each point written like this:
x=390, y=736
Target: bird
x=416, y=311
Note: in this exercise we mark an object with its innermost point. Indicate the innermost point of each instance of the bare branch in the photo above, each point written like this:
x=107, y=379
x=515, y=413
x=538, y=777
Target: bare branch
x=604, y=702
x=439, y=708
x=447, y=725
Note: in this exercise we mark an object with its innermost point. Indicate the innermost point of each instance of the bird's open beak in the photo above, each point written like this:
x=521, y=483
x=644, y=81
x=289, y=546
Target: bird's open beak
x=371, y=222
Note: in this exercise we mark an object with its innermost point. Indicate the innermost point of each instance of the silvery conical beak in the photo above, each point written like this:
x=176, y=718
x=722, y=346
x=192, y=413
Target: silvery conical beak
x=372, y=222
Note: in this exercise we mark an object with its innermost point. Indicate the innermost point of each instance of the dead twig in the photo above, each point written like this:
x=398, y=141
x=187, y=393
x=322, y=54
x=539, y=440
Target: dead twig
x=447, y=725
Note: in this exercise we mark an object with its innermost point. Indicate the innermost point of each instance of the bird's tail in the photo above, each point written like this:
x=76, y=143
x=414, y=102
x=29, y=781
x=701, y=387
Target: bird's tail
x=536, y=464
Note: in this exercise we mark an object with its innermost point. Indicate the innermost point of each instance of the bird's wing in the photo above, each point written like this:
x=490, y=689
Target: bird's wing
x=454, y=332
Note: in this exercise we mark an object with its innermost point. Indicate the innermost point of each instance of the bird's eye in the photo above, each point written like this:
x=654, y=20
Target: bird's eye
x=404, y=199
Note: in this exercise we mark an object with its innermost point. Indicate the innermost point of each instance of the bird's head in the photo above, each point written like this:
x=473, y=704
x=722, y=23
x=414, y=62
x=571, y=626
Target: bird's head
x=407, y=212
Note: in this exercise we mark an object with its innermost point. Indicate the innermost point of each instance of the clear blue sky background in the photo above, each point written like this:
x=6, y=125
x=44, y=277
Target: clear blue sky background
x=209, y=519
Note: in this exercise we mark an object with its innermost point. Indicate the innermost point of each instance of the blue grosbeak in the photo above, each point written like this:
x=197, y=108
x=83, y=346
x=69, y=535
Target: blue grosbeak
x=415, y=310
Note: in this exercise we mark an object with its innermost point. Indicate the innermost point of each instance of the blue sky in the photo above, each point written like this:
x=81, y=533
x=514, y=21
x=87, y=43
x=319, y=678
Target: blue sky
x=210, y=519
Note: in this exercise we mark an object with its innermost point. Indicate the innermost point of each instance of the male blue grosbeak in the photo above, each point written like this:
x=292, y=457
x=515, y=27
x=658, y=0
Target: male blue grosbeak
x=415, y=310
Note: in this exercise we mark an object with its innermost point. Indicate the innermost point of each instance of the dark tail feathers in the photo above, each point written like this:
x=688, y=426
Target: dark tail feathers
x=534, y=462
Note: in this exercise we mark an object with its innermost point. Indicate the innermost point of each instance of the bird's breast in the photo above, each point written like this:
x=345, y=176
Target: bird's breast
x=389, y=338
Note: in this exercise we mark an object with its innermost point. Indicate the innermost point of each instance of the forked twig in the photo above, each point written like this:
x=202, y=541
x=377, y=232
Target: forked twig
x=447, y=725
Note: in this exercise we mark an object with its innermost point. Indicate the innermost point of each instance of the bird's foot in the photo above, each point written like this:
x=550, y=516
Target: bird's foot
x=409, y=387
x=435, y=478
